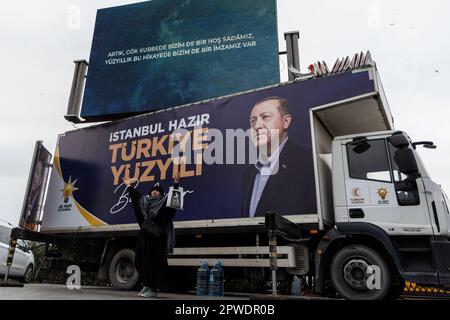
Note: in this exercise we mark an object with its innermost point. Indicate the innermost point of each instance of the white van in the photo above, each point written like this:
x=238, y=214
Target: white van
x=23, y=263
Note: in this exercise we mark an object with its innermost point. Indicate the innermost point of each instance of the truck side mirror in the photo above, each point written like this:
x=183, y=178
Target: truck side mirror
x=361, y=147
x=406, y=161
x=360, y=144
x=399, y=141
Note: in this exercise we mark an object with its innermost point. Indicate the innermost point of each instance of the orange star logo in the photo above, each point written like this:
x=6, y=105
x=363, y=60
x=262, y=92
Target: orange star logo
x=69, y=189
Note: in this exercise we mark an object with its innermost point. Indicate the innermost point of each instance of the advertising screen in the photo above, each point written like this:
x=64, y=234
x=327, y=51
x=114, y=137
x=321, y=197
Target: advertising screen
x=159, y=54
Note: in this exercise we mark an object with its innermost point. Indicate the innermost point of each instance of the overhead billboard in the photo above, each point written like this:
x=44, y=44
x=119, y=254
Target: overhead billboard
x=159, y=54
x=211, y=146
x=37, y=182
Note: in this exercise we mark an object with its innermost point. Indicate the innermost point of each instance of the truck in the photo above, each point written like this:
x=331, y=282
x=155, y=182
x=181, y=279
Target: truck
x=362, y=216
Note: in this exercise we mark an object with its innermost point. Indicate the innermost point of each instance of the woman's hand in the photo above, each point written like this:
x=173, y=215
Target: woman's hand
x=176, y=178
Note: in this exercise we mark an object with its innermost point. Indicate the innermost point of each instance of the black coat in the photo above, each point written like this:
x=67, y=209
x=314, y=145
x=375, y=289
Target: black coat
x=151, y=255
x=291, y=190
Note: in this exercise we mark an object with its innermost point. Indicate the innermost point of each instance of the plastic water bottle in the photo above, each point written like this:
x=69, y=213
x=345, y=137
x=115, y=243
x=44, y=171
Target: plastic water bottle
x=216, y=280
x=203, y=279
x=296, y=286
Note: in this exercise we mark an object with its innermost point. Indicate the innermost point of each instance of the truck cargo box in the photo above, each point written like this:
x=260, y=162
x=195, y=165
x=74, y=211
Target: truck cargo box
x=212, y=147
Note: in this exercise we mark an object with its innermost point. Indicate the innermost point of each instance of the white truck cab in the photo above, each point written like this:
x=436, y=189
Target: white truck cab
x=380, y=179
x=388, y=213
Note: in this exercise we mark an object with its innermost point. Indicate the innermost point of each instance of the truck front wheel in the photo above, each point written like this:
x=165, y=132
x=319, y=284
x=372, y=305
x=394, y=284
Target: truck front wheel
x=122, y=272
x=360, y=273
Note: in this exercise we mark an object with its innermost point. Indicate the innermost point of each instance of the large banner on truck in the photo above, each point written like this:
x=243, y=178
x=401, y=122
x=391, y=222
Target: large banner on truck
x=238, y=157
x=158, y=54
x=37, y=183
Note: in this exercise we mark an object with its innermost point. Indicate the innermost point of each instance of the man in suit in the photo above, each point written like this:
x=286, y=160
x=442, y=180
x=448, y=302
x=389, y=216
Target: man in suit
x=31, y=215
x=282, y=180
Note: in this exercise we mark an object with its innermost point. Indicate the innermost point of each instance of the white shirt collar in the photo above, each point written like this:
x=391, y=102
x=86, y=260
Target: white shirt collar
x=273, y=159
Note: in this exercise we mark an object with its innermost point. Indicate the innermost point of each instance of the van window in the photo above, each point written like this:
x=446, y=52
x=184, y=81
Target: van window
x=369, y=161
x=21, y=245
x=5, y=234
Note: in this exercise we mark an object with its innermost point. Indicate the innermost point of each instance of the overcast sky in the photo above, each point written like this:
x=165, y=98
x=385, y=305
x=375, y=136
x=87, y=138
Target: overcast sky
x=40, y=39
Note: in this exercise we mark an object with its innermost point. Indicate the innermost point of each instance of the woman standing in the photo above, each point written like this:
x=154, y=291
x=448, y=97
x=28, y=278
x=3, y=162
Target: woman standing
x=156, y=236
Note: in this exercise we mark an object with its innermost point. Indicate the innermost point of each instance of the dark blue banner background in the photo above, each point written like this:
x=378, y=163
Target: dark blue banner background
x=85, y=154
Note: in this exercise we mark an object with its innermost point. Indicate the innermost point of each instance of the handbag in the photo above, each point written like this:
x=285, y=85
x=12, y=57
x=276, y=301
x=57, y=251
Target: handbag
x=152, y=229
x=175, y=198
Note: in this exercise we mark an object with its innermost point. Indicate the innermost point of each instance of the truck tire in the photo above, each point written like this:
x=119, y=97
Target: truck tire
x=349, y=276
x=28, y=276
x=122, y=272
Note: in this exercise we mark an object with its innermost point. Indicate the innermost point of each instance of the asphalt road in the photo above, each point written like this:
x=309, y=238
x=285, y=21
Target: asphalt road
x=61, y=292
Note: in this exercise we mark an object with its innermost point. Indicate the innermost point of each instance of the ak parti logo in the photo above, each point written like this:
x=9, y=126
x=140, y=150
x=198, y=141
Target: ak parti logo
x=69, y=189
x=383, y=196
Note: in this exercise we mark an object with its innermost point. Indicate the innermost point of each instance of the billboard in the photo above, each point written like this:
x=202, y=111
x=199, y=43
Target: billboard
x=37, y=182
x=211, y=146
x=158, y=54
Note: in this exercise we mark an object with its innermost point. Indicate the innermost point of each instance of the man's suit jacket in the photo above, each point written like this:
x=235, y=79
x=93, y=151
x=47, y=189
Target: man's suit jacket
x=291, y=190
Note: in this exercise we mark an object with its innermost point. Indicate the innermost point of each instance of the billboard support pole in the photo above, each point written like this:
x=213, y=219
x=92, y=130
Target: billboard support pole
x=293, y=55
x=9, y=261
x=76, y=92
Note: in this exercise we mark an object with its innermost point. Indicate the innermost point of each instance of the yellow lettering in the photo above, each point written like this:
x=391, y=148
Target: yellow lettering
x=143, y=149
x=199, y=136
x=158, y=146
x=184, y=172
x=114, y=148
x=136, y=172
x=184, y=140
x=199, y=163
x=128, y=157
x=149, y=165
x=117, y=173
x=163, y=167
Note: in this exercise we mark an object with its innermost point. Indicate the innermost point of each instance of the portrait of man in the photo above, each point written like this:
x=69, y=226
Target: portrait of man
x=34, y=200
x=35, y=190
x=282, y=179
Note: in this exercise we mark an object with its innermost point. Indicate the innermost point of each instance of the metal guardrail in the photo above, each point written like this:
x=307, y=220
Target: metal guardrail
x=237, y=256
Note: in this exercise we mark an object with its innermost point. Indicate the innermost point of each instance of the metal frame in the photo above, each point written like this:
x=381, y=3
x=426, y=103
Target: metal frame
x=234, y=260
x=293, y=57
x=185, y=225
x=76, y=92
x=36, y=153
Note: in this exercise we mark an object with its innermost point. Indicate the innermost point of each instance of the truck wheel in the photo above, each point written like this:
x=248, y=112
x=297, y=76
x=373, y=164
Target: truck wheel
x=122, y=272
x=28, y=276
x=350, y=277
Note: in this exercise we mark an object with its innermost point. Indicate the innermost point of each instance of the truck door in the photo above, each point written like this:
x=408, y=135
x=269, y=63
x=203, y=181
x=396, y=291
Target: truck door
x=377, y=193
x=446, y=204
x=438, y=207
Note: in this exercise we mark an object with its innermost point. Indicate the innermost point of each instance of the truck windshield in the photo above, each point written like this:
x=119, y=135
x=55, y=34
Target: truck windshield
x=5, y=234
